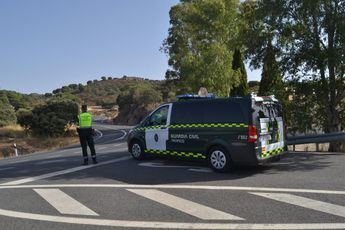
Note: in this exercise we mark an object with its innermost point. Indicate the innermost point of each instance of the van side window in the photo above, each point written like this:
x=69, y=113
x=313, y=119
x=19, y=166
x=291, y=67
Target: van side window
x=224, y=112
x=187, y=113
x=208, y=112
x=159, y=117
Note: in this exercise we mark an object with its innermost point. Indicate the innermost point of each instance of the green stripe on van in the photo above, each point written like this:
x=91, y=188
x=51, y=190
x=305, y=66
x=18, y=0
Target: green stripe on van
x=176, y=153
x=183, y=126
x=272, y=152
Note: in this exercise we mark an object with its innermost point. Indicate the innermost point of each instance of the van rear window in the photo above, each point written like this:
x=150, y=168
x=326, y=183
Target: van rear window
x=266, y=110
x=207, y=112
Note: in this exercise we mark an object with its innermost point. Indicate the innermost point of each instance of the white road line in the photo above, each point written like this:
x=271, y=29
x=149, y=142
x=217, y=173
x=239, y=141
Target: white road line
x=101, y=148
x=305, y=203
x=43, y=162
x=162, y=165
x=100, y=135
x=203, y=170
x=198, y=210
x=179, y=186
x=64, y=203
x=63, y=172
x=76, y=152
x=119, y=138
x=164, y=225
x=7, y=168
x=124, y=135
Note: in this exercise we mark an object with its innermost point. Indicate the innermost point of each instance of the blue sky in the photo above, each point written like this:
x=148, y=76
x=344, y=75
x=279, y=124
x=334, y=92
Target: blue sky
x=45, y=44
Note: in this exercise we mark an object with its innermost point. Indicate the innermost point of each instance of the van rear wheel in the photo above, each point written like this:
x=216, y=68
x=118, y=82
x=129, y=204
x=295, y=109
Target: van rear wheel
x=137, y=150
x=219, y=159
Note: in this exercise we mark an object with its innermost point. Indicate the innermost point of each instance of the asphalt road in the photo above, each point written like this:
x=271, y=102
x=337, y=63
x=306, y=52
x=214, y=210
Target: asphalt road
x=53, y=191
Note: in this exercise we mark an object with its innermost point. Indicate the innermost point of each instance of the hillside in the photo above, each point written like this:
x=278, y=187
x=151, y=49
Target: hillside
x=124, y=100
x=133, y=97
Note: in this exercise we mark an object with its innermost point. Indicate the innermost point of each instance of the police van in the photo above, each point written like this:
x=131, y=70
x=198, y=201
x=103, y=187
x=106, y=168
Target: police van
x=224, y=132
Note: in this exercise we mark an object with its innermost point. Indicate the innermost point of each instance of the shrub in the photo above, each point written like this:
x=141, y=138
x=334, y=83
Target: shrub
x=24, y=118
x=7, y=114
x=52, y=118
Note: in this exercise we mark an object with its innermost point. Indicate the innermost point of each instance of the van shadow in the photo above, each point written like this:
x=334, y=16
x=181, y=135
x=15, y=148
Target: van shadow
x=157, y=170
x=302, y=162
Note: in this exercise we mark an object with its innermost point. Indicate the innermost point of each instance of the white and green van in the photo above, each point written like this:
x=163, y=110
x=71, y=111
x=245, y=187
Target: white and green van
x=224, y=132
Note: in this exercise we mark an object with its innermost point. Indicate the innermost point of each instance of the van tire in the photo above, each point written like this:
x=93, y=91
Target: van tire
x=219, y=159
x=137, y=150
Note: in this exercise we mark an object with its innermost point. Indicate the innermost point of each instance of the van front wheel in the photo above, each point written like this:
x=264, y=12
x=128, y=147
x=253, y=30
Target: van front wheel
x=137, y=150
x=219, y=160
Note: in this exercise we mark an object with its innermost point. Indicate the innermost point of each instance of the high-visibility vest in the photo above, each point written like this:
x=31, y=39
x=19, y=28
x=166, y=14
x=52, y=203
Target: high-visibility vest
x=85, y=120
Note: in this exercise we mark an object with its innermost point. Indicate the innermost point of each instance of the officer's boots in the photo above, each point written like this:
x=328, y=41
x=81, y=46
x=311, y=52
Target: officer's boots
x=94, y=161
x=86, y=161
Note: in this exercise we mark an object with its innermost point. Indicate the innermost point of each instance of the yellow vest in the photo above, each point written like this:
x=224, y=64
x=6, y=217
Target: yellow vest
x=85, y=120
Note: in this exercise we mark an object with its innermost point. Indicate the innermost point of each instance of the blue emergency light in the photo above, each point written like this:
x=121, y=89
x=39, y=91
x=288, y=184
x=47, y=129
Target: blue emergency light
x=194, y=96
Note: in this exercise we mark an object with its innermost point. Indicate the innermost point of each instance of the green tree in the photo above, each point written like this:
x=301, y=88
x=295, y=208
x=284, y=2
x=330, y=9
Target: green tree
x=7, y=114
x=52, y=118
x=81, y=87
x=24, y=118
x=259, y=29
x=237, y=64
x=271, y=77
x=200, y=45
x=16, y=100
x=310, y=37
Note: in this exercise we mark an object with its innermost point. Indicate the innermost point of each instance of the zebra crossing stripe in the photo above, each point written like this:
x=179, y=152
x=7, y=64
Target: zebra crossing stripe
x=64, y=203
x=305, y=203
x=63, y=172
x=198, y=210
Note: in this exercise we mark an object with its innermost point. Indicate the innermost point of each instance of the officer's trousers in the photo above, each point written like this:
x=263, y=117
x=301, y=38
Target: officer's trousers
x=86, y=139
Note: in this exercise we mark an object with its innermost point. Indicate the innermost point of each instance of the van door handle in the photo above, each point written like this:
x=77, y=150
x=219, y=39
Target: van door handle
x=163, y=127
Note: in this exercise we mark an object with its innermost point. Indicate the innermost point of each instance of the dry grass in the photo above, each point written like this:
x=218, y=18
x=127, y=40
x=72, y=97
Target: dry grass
x=26, y=144
x=12, y=131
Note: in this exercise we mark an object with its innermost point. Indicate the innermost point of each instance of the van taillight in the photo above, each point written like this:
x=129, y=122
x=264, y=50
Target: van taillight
x=252, y=134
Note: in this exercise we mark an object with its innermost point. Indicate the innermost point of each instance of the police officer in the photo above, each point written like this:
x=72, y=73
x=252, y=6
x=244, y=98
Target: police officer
x=86, y=134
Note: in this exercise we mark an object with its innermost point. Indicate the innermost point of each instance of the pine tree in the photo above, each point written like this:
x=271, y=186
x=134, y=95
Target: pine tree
x=271, y=78
x=237, y=64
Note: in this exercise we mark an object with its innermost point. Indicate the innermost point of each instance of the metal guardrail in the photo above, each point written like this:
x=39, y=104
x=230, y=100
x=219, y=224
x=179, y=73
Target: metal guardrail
x=319, y=138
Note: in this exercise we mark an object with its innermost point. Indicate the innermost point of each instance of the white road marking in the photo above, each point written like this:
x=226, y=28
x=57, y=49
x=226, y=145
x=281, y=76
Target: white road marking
x=43, y=162
x=7, y=168
x=162, y=165
x=305, y=203
x=100, y=135
x=64, y=203
x=63, y=172
x=165, y=225
x=204, y=170
x=171, y=225
x=175, y=186
x=124, y=135
x=122, y=131
x=101, y=148
x=76, y=152
x=200, y=211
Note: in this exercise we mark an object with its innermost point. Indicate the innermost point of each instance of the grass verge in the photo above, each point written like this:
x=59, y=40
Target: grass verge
x=27, y=144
